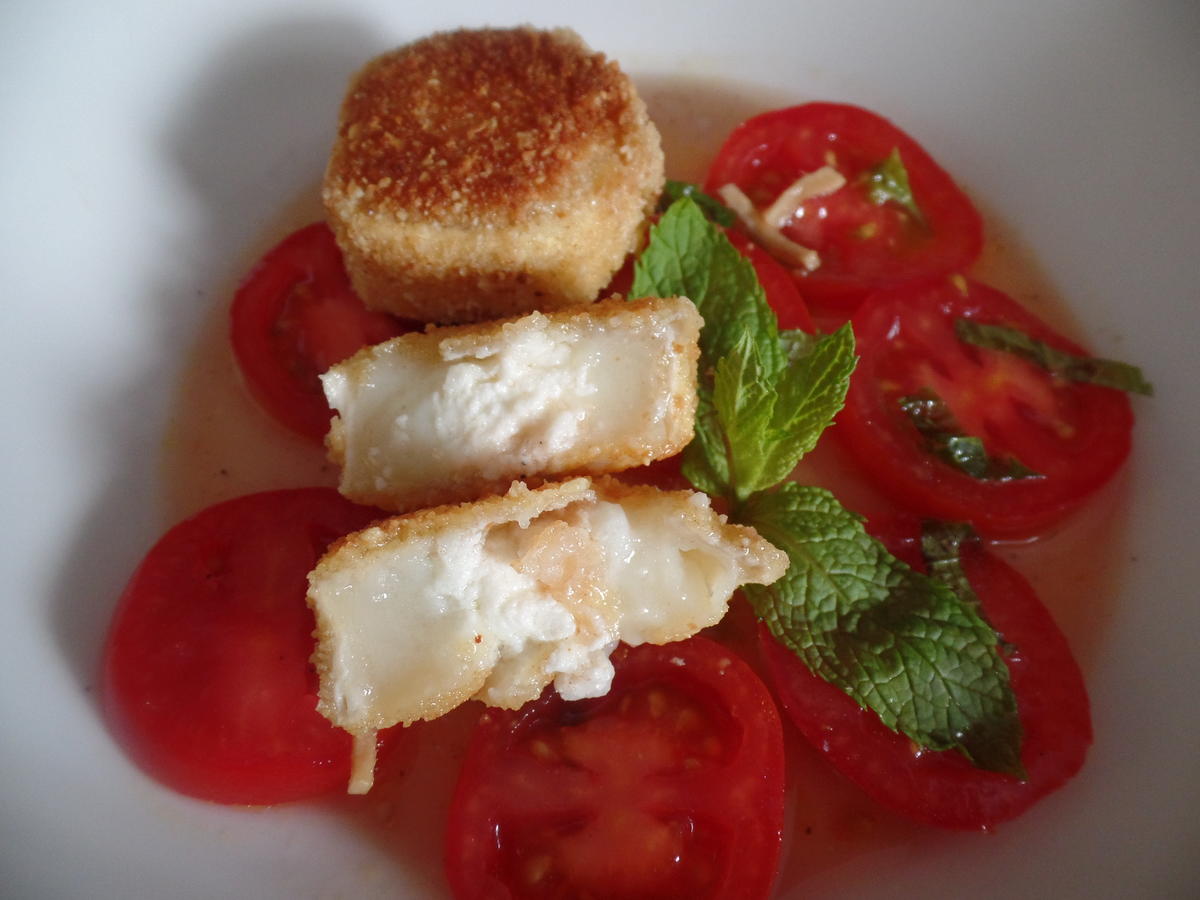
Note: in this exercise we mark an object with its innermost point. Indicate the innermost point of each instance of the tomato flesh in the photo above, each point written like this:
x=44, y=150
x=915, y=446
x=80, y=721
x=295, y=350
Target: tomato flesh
x=293, y=317
x=1072, y=436
x=669, y=786
x=206, y=670
x=863, y=245
x=941, y=787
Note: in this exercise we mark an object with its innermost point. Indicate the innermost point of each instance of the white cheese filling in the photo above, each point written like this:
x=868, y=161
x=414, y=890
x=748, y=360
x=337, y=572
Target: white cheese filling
x=425, y=413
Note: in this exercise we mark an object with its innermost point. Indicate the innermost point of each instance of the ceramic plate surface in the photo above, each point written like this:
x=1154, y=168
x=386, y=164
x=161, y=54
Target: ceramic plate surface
x=152, y=150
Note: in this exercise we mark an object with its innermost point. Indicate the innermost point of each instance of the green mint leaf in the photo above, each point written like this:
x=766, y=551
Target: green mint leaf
x=688, y=256
x=744, y=399
x=705, y=463
x=796, y=344
x=944, y=439
x=1086, y=369
x=810, y=390
x=888, y=181
x=899, y=643
x=770, y=424
x=941, y=546
x=764, y=397
x=709, y=205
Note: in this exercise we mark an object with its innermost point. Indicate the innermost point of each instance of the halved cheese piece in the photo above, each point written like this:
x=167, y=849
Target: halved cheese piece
x=456, y=413
x=498, y=598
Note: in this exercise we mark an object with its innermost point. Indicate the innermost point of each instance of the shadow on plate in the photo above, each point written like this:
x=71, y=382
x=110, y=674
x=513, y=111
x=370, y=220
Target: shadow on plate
x=253, y=126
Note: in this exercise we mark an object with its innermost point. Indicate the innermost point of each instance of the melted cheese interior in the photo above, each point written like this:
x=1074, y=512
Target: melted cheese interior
x=423, y=418
x=496, y=600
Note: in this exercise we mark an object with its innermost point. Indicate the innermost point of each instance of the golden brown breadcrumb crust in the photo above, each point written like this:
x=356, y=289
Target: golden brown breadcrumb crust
x=469, y=122
x=486, y=173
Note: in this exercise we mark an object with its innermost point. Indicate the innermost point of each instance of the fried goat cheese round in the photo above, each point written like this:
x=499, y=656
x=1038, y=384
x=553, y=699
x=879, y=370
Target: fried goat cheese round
x=498, y=598
x=461, y=411
x=488, y=173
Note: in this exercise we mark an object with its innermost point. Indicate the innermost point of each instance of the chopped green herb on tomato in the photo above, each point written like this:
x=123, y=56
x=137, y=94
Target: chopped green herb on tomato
x=1074, y=436
x=888, y=183
x=1072, y=366
x=932, y=417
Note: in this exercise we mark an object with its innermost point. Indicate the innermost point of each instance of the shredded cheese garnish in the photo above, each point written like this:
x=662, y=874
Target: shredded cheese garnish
x=824, y=180
x=765, y=226
x=362, y=763
x=781, y=247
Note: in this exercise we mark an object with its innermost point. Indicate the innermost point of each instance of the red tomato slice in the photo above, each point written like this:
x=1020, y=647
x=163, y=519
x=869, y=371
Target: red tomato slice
x=942, y=788
x=669, y=786
x=206, y=670
x=665, y=474
x=622, y=280
x=863, y=246
x=293, y=317
x=1075, y=436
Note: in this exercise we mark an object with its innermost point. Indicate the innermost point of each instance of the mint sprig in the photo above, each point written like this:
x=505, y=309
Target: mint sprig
x=765, y=398
x=1084, y=369
x=900, y=643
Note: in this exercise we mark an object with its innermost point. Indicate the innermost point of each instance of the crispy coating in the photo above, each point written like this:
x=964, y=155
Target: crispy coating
x=480, y=174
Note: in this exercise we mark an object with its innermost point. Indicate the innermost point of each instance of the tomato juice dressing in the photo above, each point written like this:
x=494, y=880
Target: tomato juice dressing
x=219, y=444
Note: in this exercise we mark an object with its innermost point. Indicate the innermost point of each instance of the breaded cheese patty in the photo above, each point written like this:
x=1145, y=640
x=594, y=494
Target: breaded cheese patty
x=482, y=174
x=497, y=599
x=458, y=412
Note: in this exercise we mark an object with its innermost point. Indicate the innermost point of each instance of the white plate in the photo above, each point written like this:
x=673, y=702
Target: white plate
x=151, y=150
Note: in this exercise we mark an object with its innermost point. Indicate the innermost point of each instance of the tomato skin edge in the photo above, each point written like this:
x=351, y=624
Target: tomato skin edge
x=292, y=316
